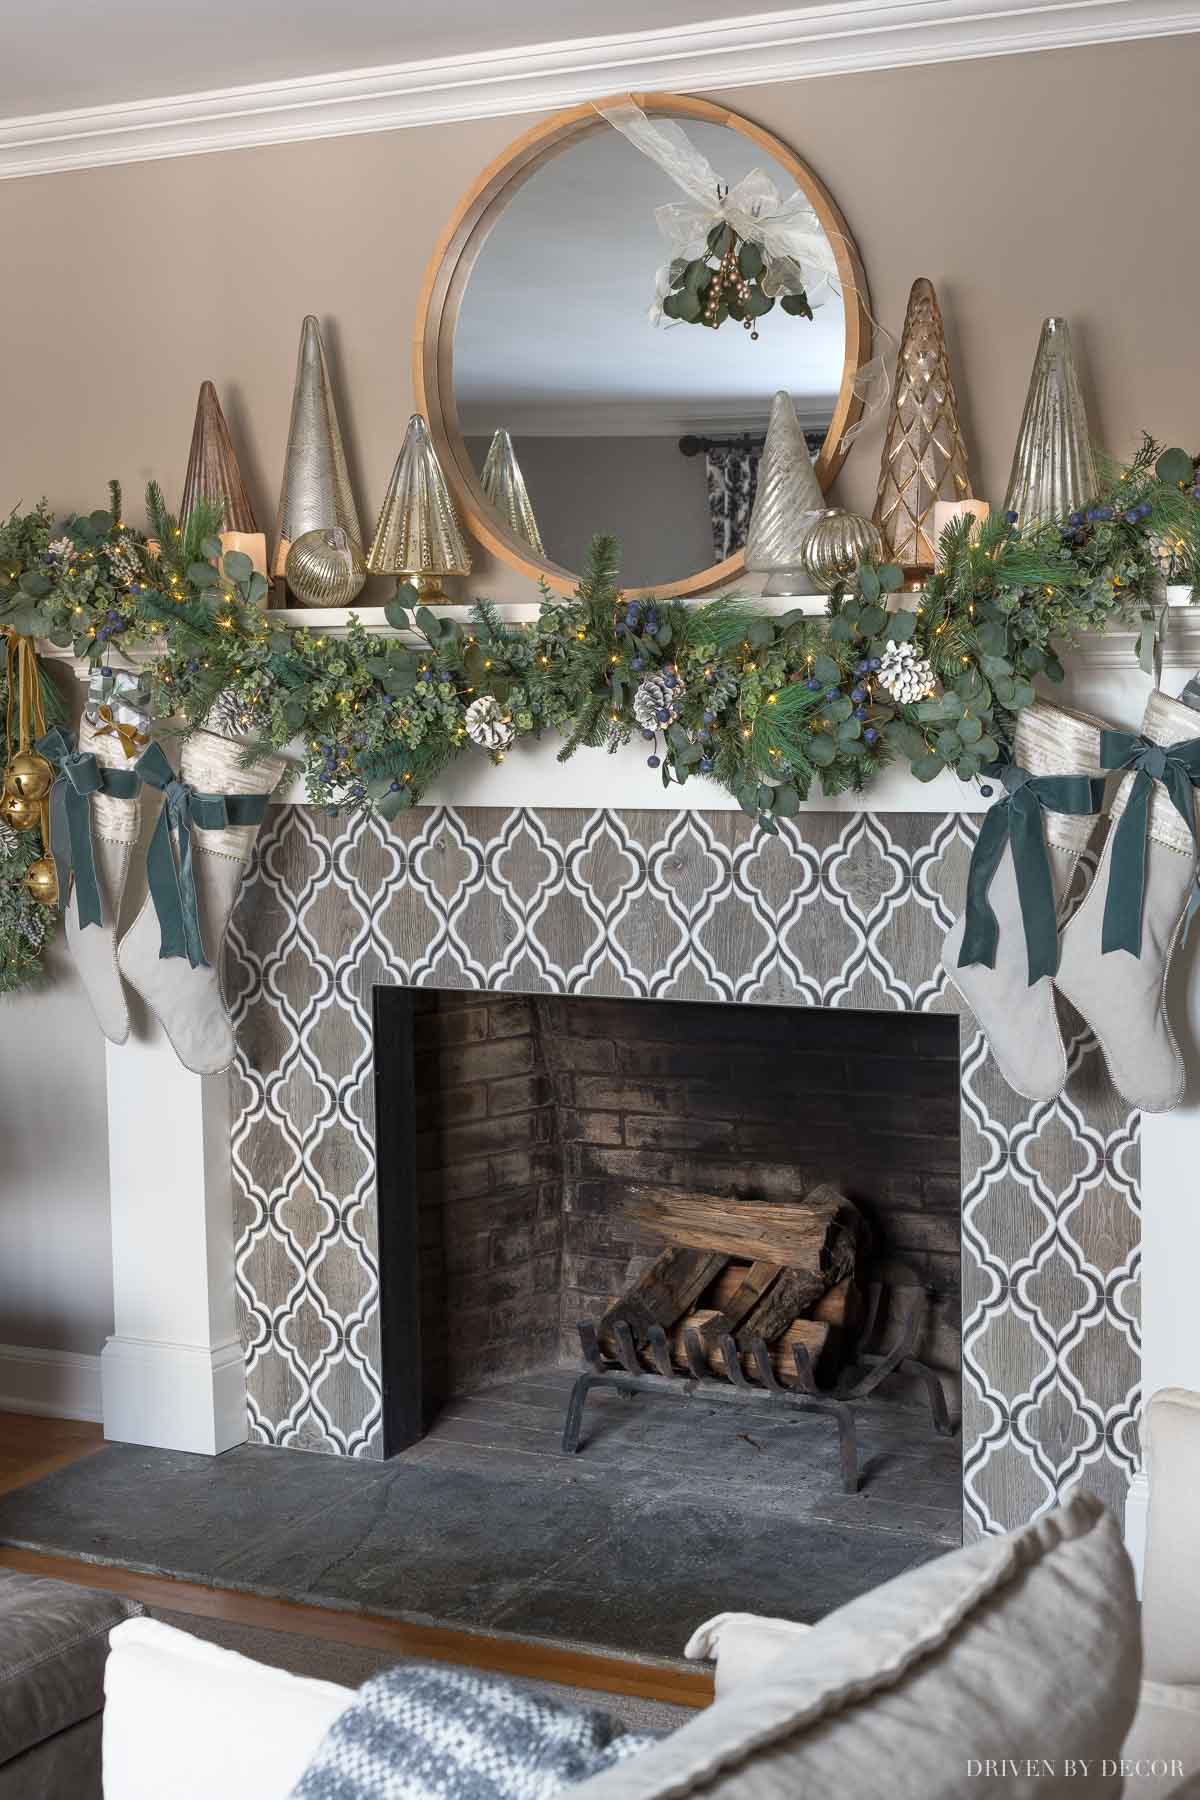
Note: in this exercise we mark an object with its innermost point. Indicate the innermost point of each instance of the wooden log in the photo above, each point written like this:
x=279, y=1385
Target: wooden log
x=812, y=1333
x=795, y=1292
x=662, y=1294
x=840, y=1305
x=741, y=1298
x=821, y=1233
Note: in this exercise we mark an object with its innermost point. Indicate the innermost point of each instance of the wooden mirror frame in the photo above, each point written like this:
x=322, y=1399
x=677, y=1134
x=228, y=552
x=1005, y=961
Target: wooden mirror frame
x=454, y=258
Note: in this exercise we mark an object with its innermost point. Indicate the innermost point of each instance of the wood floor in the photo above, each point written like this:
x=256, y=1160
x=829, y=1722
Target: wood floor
x=32, y=1447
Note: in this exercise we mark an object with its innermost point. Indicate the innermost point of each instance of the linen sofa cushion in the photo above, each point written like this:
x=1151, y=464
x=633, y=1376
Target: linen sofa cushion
x=1170, y=1610
x=741, y=1645
x=1019, y=1652
x=53, y=1647
x=1162, y=1752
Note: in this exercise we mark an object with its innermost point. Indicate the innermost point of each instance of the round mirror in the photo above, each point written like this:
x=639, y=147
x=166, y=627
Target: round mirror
x=558, y=405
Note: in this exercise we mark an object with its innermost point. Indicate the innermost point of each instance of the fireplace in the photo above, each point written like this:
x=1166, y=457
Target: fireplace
x=512, y=1128
x=840, y=917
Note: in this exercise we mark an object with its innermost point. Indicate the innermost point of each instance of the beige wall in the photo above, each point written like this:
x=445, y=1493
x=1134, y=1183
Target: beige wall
x=1027, y=185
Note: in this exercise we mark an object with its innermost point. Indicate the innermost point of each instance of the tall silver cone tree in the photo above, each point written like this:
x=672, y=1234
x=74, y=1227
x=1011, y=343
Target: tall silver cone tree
x=418, y=536
x=787, y=501
x=504, y=485
x=924, y=457
x=1054, y=467
x=316, y=490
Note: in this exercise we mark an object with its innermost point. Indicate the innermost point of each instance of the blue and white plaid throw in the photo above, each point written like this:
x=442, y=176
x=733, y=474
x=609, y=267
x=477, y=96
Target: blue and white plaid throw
x=418, y=1732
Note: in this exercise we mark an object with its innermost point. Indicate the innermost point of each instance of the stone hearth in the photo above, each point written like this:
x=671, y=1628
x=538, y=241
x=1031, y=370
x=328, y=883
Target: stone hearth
x=843, y=911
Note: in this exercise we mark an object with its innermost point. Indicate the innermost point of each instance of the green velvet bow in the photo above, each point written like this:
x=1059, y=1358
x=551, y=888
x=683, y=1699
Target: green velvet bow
x=173, y=882
x=81, y=775
x=1177, y=766
x=1016, y=820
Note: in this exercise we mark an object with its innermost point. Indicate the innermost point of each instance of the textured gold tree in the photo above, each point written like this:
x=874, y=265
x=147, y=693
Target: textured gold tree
x=924, y=457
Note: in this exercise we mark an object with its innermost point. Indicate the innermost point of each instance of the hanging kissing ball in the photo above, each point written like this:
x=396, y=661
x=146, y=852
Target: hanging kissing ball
x=17, y=811
x=656, y=696
x=30, y=775
x=41, y=879
x=904, y=675
x=488, y=725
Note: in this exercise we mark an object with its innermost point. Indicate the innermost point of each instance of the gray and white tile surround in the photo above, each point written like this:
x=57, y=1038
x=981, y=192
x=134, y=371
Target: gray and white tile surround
x=844, y=910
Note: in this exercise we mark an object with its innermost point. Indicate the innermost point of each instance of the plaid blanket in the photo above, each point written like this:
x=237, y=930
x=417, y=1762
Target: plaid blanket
x=418, y=1732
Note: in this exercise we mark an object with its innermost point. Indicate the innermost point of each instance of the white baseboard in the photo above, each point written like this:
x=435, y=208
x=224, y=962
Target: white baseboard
x=58, y=1384
x=174, y=1396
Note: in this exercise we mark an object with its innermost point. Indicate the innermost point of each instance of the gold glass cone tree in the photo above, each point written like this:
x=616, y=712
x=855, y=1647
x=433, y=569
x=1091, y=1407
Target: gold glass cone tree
x=418, y=537
x=1054, y=467
x=316, y=493
x=213, y=475
x=504, y=485
x=924, y=457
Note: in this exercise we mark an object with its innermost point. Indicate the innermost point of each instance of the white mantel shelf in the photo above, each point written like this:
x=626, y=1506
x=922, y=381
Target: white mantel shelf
x=1103, y=678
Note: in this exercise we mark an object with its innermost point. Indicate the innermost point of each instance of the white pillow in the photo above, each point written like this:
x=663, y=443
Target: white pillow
x=741, y=1645
x=945, y=1683
x=186, y=1720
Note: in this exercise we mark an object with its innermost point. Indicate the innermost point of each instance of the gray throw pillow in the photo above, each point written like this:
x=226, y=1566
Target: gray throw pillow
x=1005, y=1671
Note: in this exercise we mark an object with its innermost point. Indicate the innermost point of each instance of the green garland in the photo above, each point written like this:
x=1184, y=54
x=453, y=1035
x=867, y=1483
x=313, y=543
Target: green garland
x=765, y=706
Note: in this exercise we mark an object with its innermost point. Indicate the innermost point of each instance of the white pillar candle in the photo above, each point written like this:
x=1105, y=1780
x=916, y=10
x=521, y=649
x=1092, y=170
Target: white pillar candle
x=251, y=543
x=944, y=511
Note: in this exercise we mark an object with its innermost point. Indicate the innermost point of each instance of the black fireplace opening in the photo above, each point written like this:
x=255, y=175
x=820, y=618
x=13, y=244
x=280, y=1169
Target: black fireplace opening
x=511, y=1127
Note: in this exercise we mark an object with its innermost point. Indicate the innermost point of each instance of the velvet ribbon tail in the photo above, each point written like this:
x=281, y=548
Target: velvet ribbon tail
x=1177, y=767
x=71, y=817
x=1015, y=821
x=170, y=868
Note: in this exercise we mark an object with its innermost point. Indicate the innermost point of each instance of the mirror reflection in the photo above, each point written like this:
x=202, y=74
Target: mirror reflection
x=579, y=413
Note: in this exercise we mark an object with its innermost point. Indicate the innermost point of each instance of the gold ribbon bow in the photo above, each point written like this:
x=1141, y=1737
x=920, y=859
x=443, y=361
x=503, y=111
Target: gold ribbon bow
x=133, y=741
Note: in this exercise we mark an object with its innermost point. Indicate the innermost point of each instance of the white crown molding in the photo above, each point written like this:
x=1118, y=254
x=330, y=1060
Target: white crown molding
x=800, y=44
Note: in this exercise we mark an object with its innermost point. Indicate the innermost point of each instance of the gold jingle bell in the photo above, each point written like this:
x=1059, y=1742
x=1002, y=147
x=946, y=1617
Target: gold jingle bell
x=18, y=812
x=30, y=775
x=41, y=879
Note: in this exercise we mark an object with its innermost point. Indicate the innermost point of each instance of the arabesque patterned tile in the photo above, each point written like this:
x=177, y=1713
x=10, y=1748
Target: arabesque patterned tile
x=840, y=910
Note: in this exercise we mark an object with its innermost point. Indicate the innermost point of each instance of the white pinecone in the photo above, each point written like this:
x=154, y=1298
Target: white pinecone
x=904, y=675
x=655, y=695
x=488, y=725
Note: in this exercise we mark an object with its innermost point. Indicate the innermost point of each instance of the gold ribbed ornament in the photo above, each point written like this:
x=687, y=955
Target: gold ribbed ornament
x=924, y=457
x=834, y=545
x=418, y=536
x=325, y=568
x=504, y=485
x=316, y=492
x=213, y=474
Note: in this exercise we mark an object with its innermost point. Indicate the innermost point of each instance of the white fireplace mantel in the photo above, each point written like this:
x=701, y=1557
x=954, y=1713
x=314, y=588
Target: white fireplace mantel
x=172, y=1375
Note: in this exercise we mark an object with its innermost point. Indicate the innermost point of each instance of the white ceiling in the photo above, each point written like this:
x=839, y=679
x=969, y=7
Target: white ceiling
x=61, y=54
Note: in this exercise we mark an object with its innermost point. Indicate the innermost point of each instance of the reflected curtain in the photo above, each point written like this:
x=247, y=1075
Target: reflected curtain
x=732, y=485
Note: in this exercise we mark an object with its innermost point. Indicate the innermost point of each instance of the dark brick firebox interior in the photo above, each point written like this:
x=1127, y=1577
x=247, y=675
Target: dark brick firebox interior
x=510, y=1127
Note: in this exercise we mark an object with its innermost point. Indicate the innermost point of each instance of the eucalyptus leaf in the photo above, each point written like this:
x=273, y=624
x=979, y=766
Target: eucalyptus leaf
x=760, y=633
x=237, y=566
x=768, y=824
x=35, y=584
x=872, y=620
x=203, y=575
x=927, y=768
x=949, y=745
x=869, y=584
x=840, y=629
x=397, y=616
x=787, y=802
x=826, y=670
x=821, y=749
x=891, y=578
x=1174, y=467
x=839, y=709
x=969, y=729
x=901, y=626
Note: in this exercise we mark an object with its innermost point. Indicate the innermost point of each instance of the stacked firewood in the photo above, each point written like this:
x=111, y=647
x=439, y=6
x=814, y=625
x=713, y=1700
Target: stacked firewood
x=779, y=1273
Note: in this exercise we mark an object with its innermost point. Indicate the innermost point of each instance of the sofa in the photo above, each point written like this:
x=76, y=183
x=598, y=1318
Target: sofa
x=1013, y=1668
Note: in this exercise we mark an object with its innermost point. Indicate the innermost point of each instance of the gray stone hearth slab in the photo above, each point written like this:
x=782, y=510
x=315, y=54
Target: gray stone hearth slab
x=541, y=1552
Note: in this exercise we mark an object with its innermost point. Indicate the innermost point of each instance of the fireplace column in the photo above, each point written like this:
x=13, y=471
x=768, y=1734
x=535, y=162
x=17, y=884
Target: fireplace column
x=173, y=1373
